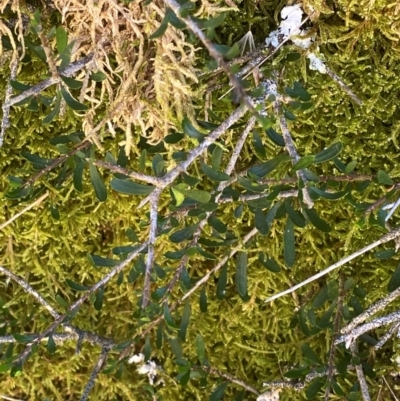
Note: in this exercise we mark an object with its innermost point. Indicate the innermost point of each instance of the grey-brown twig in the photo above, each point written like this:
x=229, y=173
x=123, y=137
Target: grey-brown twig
x=5, y=122
x=360, y=375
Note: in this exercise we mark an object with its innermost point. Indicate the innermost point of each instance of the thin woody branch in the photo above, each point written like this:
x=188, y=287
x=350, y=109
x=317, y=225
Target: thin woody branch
x=5, y=122
x=154, y=199
x=97, y=368
x=72, y=69
x=216, y=55
x=386, y=238
x=360, y=375
x=81, y=300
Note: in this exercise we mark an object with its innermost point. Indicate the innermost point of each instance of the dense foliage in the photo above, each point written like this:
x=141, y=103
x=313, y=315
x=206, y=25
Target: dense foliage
x=148, y=215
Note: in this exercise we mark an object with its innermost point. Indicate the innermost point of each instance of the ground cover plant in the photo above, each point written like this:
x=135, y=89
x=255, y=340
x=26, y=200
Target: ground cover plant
x=199, y=200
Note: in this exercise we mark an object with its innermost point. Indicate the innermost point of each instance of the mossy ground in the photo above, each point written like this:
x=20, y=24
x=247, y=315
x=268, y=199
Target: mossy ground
x=252, y=341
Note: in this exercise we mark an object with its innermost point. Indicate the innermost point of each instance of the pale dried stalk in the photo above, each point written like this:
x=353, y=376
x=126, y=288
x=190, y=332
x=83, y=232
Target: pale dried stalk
x=24, y=210
x=387, y=237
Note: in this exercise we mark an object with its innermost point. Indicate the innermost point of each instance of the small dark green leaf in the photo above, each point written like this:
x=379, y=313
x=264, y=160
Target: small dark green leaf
x=183, y=234
x=275, y=137
x=99, y=261
x=214, y=22
x=213, y=174
x=78, y=174
x=290, y=57
x=203, y=300
x=55, y=213
x=384, y=179
x=185, y=320
x=72, y=83
x=296, y=373
x=329, y=153
x=222, y=280
x=258, y=146
x=314, y=387
x=289, y=244
x=76, y=286
x=50, y=117
x=384, y=255
x=239, y=211
x=228, y=52
x=303, y=162
x=200, y=349
x=131, y=188
x=61, y=39
x=168, y=318
x=161, y=29
x=350, y=167
x=197, y=194
x=261, y=170
x=294, y=215
x=98, y=76
x=174, y=20
x=321, y=297
x=269, y=263
x=216, y=157
x=394, y=281
x=71, y=102
x=241, y=275
x=97, y=182
x=158, y=165
x=310, y=354
x=303, y=321
x=316, y=193
x=317, y=221
x=176, y=347
x=289, y=115
x=190, y=130
x=217, y=224
x=218, y=393
x=98, y=303
x=19, y=86
x=310, y=175
x=260, y=222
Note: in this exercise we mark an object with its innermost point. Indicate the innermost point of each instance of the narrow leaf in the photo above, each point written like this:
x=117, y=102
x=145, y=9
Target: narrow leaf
x=78, y=174
x=241, y=274
x=384, y=179
x=97, y=182
x=50, y=117
x=394, y=281
x=213, y=174
x=190, y=130
x=61, y=39
x=200, y=349
x=329, y=153
x=76, y=286
x=317, y=221
x=296, y=217
x=98, y=303
x=51, y=345
x=71, y=102
x=131, y=188
x=218, y=393
x=203, y=300
x=168, y=318
x=197, y=194
x=183, y=234
x=222, y=280
x=261, y=170
x=289, y=244
x=185, y=320
x=304, y=162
